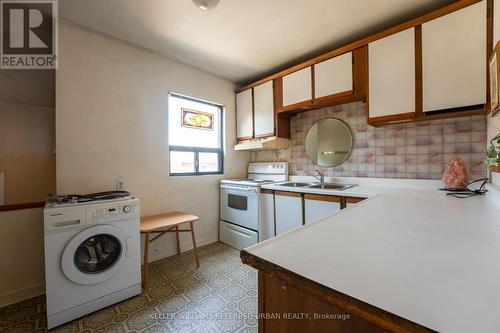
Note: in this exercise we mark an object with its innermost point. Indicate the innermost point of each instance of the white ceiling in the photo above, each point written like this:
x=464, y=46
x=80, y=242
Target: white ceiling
x=241, y=40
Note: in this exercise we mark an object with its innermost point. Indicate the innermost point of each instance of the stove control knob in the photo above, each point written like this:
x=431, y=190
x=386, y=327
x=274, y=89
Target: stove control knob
x=127, y=209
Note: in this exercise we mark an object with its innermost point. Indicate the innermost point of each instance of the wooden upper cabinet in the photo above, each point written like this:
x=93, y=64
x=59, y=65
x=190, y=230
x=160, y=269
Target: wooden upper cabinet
x=391, y=87
x=297, y=88
x=433, y=62
x=244, y=115
x=263, y=100
x=454, y=59
x=333, y=76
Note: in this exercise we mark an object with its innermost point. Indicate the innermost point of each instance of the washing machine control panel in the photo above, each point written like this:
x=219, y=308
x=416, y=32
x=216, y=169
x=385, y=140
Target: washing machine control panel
x=112, y=211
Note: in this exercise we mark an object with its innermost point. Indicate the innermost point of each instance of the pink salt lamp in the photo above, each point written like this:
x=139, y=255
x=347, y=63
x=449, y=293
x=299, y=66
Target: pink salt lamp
x=455, y=175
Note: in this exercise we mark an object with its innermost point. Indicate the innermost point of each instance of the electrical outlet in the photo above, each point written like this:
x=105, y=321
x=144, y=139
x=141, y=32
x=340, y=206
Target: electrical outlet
x=120, y=184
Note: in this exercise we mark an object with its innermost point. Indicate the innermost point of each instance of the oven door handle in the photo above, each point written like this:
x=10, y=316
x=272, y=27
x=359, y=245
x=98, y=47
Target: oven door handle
x=237, y=188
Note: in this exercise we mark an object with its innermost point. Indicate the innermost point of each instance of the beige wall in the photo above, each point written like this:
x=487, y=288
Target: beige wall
x=111, y=122
x=27, y=145
x=111, y=113
x=21, y=261
x=27, y=134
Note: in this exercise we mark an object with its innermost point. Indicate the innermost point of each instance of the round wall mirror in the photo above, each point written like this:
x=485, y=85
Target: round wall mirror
x=329, y=142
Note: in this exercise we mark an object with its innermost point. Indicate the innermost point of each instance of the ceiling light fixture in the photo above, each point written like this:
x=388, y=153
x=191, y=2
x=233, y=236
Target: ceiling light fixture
x=206, y=4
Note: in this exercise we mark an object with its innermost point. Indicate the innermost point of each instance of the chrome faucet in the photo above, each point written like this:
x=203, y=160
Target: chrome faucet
x=321, y=176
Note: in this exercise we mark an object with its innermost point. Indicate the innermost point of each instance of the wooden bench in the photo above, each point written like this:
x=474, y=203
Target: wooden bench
x=163, y=224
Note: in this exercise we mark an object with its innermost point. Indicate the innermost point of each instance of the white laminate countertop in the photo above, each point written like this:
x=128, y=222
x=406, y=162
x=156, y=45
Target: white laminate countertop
x=359, y=191
x=365, y=187
x=426, y=257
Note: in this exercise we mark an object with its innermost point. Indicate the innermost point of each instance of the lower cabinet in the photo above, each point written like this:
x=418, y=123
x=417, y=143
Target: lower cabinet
x=282, y=211
x=288, y=211
x=292, y=304
x=318, y=206
x=266, y=227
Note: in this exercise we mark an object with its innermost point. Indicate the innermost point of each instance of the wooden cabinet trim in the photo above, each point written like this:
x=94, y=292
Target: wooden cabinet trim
x=280, y=297
x=396, y=118
x=313, y=84
x=266, y=191
x=368, y=312
x=489, y=48
x=366, y=40
x=253, y=114
x=265, y=135
x=465, y=111
x=261, y=304
x=418, y=72
x=299, y=105
x=354, y=199
x=244, y=138
x=288, y=194
x=331, y=98
x=322, y=197
x=281, y=122
x=21, y=206
x=360, y=72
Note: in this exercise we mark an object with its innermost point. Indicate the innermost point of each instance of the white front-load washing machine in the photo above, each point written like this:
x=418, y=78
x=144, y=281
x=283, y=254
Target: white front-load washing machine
x=92, y=256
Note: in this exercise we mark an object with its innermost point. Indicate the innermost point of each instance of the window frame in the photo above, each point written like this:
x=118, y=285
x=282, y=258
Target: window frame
x=198, y=150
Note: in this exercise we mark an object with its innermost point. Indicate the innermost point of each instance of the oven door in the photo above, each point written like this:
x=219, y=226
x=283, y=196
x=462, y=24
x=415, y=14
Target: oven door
x=239, y=205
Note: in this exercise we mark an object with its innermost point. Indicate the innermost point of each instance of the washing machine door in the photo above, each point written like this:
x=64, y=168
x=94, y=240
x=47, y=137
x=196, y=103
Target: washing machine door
x=94, y=255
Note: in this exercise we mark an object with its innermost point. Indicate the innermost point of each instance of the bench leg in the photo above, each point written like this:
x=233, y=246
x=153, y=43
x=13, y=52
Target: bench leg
x=146, y=252
x=195, y=251
x=177, y=237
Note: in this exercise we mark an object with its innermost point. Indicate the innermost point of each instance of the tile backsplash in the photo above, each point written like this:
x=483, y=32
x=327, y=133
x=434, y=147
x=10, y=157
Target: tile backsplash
x=409, y=150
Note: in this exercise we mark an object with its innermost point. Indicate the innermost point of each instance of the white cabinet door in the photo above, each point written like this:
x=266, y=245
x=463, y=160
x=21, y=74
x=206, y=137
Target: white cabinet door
x=266, y=227
x=454, y=59
x=263, y=99
x=297, y=87
x=288, y=211
x=333, y=76
x=391, y=65
x=317, y=209
x=244, y=114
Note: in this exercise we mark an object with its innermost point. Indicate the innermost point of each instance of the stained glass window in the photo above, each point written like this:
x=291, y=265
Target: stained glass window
x=195, y=136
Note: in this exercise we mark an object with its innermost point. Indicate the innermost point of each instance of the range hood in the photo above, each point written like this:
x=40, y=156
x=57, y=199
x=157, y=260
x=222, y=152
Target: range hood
x=263, y=144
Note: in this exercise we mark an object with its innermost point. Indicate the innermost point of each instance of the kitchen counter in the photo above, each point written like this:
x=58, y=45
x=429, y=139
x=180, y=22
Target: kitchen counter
x=365, y=188
x=358, y=191
x=419, y=255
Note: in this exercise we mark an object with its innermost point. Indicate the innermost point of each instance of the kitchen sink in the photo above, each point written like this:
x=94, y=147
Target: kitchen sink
x=295, y=184
x=325, y=186
x=338, y=187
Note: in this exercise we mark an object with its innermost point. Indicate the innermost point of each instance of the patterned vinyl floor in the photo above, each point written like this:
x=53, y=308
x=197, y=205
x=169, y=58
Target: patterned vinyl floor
x=220, y=296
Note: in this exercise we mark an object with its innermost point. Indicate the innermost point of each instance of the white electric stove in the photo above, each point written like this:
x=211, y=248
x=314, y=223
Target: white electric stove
x=242, y=207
